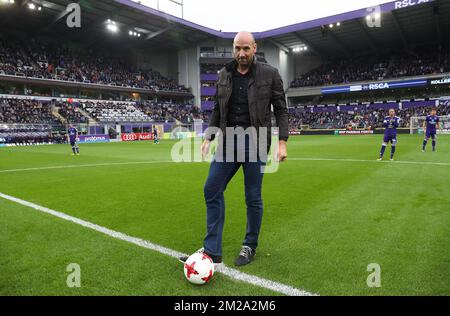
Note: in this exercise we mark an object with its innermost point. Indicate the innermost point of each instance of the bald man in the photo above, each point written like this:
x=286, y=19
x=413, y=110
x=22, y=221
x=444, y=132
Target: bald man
x=246, y=91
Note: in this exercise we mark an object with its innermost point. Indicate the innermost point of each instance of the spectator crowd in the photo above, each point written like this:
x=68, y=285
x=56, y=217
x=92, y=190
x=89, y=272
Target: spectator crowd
x=361, y=118
x=27, y=111
x=71, y=114
x=20, y=111
x=373, y=68
x=170, y=112
x=39, y=59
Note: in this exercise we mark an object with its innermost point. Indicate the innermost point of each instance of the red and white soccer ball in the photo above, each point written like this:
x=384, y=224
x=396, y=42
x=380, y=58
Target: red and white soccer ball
x=199, y=268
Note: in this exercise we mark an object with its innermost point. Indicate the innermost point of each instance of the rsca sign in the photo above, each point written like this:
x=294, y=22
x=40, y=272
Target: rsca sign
x=408, y=3
x=376, y=86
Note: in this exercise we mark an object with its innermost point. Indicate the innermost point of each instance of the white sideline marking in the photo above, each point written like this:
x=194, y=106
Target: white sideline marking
x=169, y=161
x=374, y=161
x=107, y=164
x=232, y=273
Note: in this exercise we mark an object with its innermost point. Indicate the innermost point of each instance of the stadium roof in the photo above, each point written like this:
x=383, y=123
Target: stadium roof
x=427, y=23
x=157, y=29
x=405, y=23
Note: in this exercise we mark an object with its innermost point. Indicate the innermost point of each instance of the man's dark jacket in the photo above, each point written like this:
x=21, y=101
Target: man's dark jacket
x=265, y=89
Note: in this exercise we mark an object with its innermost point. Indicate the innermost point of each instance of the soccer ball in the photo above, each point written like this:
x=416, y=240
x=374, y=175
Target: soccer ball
x=199, y=268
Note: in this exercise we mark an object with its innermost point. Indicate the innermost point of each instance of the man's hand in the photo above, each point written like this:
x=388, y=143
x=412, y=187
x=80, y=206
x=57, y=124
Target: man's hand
x=205, y=148
x=282, y=151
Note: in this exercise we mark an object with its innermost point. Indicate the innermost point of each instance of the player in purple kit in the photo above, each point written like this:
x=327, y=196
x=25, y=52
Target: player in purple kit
x=72, y=137
x=430, y=126
x=391, y=123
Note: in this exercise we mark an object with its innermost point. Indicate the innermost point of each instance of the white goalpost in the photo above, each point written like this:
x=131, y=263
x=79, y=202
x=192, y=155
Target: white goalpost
x=416, y=125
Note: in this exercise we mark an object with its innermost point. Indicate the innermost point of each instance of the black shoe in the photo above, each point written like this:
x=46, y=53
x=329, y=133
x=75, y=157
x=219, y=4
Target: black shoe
x=215, y=259
x=246, y=256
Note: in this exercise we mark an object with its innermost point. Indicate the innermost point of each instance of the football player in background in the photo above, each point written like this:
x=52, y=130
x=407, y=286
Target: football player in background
x=430, y=127
x=390, y=123
x=72, y=138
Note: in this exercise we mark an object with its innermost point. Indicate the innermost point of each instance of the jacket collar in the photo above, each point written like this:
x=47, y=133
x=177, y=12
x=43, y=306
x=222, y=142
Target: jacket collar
x=233, y=64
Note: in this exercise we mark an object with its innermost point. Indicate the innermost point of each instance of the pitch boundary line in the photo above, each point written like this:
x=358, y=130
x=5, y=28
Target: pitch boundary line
x=399, y=162
x=107, y=164
x=221, y=268
x=131, y=163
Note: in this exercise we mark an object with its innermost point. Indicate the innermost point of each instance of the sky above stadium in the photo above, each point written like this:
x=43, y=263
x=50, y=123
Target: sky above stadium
x=257, y=15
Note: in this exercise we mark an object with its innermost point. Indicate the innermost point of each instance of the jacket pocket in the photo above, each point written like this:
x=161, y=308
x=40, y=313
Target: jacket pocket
x=264, y=113
x=221, y=90
x=222, y=87
x=264, y=89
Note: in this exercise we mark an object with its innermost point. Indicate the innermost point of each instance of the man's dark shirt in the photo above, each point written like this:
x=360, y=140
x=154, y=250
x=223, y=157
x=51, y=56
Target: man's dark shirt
x=238, y=111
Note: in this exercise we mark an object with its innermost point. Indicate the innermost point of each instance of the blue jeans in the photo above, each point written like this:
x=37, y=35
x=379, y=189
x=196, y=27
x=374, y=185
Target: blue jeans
x=220, y=174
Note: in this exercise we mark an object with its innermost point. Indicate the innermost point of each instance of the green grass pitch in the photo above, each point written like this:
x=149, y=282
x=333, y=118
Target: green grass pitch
x=326, y=219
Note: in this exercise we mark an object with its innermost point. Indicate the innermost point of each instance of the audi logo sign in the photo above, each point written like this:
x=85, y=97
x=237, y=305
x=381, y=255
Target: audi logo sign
x=136, y=136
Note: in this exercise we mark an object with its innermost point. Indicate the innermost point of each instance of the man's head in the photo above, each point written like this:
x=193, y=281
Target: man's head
x=433, y=111
x=244, y=48
x=391, y=112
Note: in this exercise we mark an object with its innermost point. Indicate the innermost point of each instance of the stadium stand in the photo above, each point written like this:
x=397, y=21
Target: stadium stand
x=24, y=121
x=111, y=112
x=22, y=134
x=170, y=112
x=71, y=114
x=358, y=116
x=40, y=59
x=423, y=61
x=24, y=111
